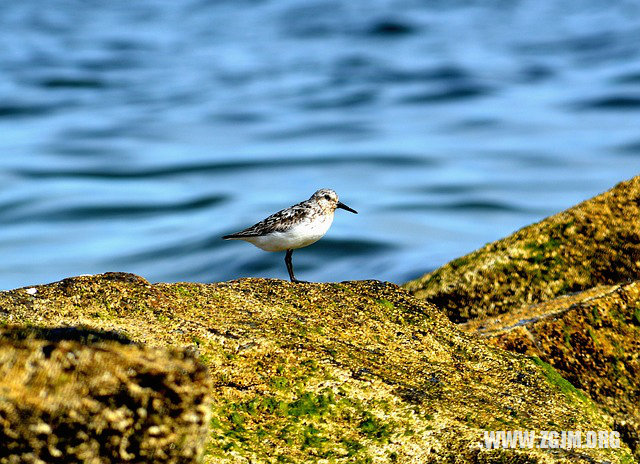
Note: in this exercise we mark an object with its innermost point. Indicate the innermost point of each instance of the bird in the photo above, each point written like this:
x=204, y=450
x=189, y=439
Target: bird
x=295, y=227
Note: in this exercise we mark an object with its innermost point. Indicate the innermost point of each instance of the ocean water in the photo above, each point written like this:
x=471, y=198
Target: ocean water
x=134, y=134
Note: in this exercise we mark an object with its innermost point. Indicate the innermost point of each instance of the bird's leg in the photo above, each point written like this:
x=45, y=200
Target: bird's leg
x=287, y=260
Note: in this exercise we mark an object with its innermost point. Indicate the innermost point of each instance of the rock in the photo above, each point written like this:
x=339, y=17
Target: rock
x=301, y=373
x=592, y=338
x=70, y=396
x=564, y=290
x=596, y=242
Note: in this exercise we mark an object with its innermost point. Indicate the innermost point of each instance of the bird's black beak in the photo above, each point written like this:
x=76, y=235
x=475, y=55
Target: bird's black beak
x=343, y=206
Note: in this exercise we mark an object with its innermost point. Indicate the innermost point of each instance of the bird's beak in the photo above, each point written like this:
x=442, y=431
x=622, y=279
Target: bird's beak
x=343, y=206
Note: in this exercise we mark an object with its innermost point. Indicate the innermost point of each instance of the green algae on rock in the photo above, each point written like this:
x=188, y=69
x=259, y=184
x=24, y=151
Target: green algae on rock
x=81, y=396
x=592, y=338
x=596, y=242
x=329, y=373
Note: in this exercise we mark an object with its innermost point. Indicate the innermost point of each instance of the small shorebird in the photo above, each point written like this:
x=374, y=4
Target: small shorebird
x=294, y=227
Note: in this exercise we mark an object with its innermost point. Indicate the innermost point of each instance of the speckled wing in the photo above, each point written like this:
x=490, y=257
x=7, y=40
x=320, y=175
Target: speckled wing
x=278, y=222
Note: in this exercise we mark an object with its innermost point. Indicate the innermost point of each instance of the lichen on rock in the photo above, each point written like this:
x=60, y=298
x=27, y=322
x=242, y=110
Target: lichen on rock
x=592, y=338
x=70, y=396
x=596, y=242
x=342, y=372
x=564, y=290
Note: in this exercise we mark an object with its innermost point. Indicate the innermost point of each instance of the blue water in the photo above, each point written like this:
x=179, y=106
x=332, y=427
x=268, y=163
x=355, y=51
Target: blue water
x=134, y=134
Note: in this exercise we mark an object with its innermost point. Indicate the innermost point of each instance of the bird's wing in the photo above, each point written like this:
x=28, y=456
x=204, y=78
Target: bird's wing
x=277, y=222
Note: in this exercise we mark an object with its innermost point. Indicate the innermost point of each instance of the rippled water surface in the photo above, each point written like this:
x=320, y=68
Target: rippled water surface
x=134, y=134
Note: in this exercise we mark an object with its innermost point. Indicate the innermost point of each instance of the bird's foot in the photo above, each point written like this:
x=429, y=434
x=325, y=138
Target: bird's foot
x=296, y=281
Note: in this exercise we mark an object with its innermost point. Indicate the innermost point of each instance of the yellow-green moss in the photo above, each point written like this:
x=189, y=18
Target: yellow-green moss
x=326, y=373
x=590, y=338
x=596, y=242
x=76, y=395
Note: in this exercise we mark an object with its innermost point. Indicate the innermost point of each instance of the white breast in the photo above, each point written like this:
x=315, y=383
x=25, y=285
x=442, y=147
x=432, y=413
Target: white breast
x=300, y=235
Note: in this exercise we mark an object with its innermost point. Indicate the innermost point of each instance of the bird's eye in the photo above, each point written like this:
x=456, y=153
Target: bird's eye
x=327, y=197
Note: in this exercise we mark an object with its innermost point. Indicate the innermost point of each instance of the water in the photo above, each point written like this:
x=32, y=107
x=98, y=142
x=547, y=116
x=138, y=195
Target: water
x=134, y=134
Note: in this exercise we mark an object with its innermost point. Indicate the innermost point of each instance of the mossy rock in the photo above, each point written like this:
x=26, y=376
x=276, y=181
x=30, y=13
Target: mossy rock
x=84, y=396
x=592, y=338
x=355, y=372
x=596, y=242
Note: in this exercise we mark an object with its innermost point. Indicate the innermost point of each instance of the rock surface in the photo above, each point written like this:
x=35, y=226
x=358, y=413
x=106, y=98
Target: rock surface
x=596, y=242
x=592, y=338
x=349, y=372
x=565, y=290
x=79, y=396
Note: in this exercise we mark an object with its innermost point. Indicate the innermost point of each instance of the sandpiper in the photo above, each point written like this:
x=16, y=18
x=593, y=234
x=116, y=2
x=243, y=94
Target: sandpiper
x=294, y=227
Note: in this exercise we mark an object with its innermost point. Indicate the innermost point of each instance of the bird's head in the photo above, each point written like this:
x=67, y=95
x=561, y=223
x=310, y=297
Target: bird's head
x=328, y=201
